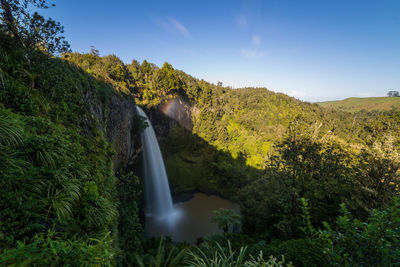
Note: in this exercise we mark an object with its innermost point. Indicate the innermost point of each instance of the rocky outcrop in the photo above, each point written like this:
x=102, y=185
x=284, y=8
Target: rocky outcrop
x=115, y=118
x=161, y=123
x=180, y=111
x=175, y=112
x=120, y=129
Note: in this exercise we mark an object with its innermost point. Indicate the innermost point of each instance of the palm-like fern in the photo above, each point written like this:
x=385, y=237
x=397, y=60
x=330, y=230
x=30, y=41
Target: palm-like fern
x=225, y=218
x=221, y=257
x=57, y=198
x=10, y=129
x=164, y=257
x=10, y=137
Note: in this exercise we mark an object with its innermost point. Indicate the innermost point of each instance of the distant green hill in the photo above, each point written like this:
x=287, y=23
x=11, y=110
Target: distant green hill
x=354, y=104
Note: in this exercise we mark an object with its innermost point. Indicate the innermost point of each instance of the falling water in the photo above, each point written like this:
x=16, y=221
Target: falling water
x=158, y=196
x=184, y=221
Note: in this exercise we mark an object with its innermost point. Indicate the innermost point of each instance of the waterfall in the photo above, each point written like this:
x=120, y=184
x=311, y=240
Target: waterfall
x=158, y=196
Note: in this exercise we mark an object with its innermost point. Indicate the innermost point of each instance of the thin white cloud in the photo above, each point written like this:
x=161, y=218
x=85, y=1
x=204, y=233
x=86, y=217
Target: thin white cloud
x=179, y=27
x=255, y=39
x=241, y=21
x=253, y=53
x=173, y=26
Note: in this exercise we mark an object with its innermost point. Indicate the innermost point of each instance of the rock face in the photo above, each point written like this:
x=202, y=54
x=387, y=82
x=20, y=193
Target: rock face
x=161, y=123
x=120, y=129
x=180, y=111
x=175, y=112
x=115, y=118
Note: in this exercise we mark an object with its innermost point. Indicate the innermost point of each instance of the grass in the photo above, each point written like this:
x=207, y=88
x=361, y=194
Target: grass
x=354, y=104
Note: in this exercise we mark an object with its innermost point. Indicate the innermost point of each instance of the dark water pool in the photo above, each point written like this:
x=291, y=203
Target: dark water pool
x=191, y=220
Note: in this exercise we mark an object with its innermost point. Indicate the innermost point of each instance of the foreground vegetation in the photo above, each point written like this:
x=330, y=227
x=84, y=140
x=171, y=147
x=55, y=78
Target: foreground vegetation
x=317, y=187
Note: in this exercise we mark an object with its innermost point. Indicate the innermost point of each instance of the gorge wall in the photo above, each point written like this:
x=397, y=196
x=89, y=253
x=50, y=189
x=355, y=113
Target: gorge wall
x=116, y=118
x=175, y=112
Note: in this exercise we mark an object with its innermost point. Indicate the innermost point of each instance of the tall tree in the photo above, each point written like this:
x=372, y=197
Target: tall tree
x=393, y=93
x=32, y=30
x=167, y=80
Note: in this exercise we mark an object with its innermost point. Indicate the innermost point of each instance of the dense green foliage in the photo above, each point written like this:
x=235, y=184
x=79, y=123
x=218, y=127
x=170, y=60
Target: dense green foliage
x=49, y=250
x=227, y=257
x=220, y=256
x=129, y=227
x=56, y=163
x=371, y=243
x=328, y=174
x=375, y=242
x=109, y=69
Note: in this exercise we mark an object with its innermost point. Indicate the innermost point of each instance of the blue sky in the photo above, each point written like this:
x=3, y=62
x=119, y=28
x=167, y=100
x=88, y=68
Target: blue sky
x=313, y=50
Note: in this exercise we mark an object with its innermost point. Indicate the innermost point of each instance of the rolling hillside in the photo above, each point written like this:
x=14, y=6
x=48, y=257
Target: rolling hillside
x=354, y=104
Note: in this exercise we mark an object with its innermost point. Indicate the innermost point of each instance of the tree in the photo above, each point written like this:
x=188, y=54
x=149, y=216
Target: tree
x=32, y=31
x=225, y=218
x=167, y=80
x=94, y=51
x=134, y=69
x=353, y=242
x=393, y=94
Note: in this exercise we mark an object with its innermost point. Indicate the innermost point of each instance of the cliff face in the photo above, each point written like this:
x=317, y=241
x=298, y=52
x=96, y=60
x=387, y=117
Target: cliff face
x=175, y=112
x=115, y=118
x=161, y=123
x=120, y=129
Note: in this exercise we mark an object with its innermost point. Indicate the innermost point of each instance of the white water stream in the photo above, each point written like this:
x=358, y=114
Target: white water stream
x=158, y=195
x=185, y=221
